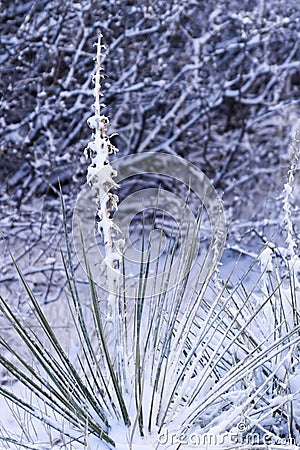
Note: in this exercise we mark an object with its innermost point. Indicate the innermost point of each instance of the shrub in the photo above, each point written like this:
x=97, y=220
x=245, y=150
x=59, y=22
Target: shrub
x=178, y=357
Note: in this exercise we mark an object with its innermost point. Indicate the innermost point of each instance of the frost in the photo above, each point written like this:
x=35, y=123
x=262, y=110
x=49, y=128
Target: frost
x=246, y=20
x=265, y=259
x=50, y=260
x=98, y=122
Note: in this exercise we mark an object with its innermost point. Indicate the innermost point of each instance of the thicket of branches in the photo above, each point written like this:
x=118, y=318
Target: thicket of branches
x=215, y=82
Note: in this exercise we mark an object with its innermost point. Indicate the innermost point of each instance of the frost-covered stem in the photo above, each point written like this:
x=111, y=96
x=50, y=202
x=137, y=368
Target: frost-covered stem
x=97, y=88
x=100, y=177
x=288, y=195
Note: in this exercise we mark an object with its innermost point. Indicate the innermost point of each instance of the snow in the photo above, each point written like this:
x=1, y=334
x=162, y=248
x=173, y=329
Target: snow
x=265, y=259
x=168, y=94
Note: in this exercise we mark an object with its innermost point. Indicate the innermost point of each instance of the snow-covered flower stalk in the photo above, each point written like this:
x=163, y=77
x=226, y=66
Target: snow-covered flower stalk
x=287, y=198
x=100, y=177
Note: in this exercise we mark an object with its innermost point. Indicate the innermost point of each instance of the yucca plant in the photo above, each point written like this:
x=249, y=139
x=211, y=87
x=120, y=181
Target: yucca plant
x=175, y=358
